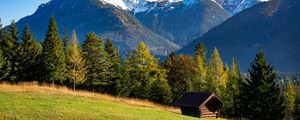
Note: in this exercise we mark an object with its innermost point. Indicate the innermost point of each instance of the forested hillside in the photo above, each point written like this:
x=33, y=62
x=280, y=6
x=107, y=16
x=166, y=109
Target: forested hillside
x=272, y=26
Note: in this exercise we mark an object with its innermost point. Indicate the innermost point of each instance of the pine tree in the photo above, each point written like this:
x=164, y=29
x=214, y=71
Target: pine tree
x=123, y=86
x=6, y=47
x=232, y=92
x=9, y=48
x=200, y=82
x=224, y=77
x=216, y=72
x=290, y=100
x=66, y=42
x=200, y=50
x=113, y=60
x=180, y=74
x=2, y=63
x=142, y=63
x=96, y=62
x=54, y=66
x=2, y=58
x=260, y=95
x=144, y=72
x=76, y=64
x=161, y=92
x=297, y=105
x=28, y=56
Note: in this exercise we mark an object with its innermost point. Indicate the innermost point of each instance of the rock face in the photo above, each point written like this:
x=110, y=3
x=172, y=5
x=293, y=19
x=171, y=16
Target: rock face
x=182, y=22
x=85, y=16
x=273, y=26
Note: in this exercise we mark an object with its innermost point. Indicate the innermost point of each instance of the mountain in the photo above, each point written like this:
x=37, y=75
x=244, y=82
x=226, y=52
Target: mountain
x=183, y=21
x=137, y=6
x=85, y=16
x=235, y=6
x=273, y=26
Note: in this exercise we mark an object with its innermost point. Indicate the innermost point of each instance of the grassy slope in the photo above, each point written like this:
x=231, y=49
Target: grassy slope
x=35, y=102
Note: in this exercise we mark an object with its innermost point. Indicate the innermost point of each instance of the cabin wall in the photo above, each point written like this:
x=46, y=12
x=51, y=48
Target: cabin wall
x=207, y=113
x=189, y=111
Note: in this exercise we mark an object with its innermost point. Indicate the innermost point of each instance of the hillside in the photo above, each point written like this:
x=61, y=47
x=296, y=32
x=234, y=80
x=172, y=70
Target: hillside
x=274, y=27
x=29, y=101
x=86, y=16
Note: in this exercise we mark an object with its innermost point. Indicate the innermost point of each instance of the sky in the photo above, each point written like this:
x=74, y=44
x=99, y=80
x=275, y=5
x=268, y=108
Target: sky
x=17, y=9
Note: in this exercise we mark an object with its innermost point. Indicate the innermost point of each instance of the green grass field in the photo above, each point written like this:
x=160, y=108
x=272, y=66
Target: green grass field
x=30, y=103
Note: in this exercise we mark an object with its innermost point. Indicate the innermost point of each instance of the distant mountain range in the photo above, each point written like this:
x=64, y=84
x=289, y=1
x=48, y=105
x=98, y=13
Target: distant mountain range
x=234, y=26
x=127, y=22
x=165, y=25
x=273, y=27
x=86, y=16
x=182, y=22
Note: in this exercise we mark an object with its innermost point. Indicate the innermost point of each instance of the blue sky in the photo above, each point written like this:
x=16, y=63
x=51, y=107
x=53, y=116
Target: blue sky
x=17, y=9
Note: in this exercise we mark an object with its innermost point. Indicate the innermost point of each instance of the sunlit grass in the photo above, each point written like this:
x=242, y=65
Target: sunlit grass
x=31, y=101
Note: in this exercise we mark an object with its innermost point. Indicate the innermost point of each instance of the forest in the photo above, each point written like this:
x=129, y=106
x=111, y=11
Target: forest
x=96, y=65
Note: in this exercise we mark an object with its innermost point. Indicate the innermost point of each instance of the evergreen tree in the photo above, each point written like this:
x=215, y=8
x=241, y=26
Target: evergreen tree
x=144, y=72
x=232, y=92
x=217, y=74
x=2, y=59
x=200, y=82
x=54, y=66
x=290, y=100
x=142, y=64
x=161, y=92
x=200, y=50
x=75, y=63
x=297, y=105
x=66, y=42
x=260, y=95
x=2, y=63
x=28, y=56
x=96, y=62
x=180, y=74
x=113, y=60
x=9, y=48
x=6, y=47
x=123, y=86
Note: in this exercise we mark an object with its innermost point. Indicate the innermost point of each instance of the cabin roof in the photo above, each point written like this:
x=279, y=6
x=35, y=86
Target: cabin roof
x=195, y=99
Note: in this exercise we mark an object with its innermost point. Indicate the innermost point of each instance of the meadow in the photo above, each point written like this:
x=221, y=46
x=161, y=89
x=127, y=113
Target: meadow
x=28, y=101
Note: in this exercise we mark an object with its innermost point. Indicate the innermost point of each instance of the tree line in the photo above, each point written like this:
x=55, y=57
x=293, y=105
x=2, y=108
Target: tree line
x=96, y=66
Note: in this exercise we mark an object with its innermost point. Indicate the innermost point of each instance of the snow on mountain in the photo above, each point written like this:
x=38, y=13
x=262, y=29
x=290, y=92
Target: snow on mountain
x=118, y=3
x=137, y=6
x=236, y=6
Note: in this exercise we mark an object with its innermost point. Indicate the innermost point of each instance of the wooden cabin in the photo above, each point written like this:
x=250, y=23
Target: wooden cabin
x=204, y=105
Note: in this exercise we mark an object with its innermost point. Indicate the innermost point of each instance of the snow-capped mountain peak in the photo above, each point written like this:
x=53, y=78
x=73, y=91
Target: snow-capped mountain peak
x=142, y=5
x=236, y=6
